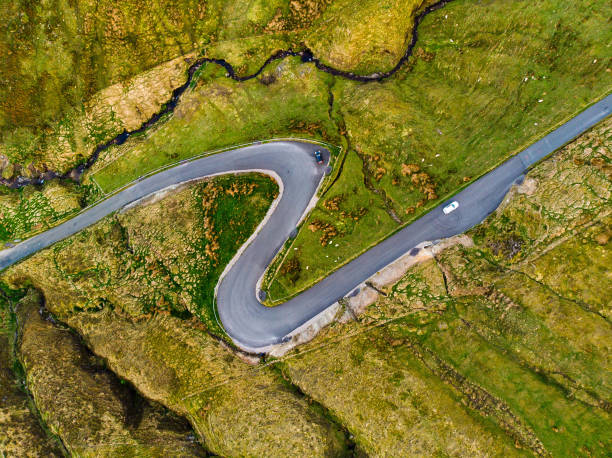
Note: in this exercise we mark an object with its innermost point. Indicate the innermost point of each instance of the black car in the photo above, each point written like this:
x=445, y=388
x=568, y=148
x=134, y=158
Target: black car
x=318, y=156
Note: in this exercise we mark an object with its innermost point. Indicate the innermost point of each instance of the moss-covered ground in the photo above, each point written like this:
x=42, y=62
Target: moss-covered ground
x=500, y=348
x=59, y=54
x=88, y=407
x=29, y=210
x=21, y=434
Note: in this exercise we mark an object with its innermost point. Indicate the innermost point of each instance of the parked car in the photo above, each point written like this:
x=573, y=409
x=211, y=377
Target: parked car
x=318, y=156
x=451, y=207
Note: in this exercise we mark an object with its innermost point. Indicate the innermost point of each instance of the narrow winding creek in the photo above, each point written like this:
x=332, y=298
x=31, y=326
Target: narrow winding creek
x=305, y=54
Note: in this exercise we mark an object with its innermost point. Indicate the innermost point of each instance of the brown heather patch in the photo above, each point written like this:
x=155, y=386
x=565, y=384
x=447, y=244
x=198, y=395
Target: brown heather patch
x=380, y=172
x=354, y=215
x=409, y=169
x=603, y=237
x=291, y=269
x=328, y=230
x=240, y=189
x=422, y=181
x=420, y=53
x=278, y=22
x=302, y=13
x=333, y=203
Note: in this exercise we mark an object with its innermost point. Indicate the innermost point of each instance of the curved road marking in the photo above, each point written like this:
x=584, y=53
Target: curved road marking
x=255, y=327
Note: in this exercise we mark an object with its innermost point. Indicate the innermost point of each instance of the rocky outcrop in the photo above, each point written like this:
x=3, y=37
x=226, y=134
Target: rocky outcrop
x=20, y=432
x=86, y=406
x=237, y=409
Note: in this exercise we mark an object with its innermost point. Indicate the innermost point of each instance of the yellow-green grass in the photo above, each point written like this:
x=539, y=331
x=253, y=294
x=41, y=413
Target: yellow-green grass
x=127, y=258
x=58, y=54
x=485, y=82
x=466, y=354
x=512, y=72
x=566, y=427
x=363, y=208
x=219, y=112
x=365, y=37
x=26, y=211
x=390, y=401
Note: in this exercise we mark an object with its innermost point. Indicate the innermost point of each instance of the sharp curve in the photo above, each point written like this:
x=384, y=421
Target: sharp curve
x=253, y=326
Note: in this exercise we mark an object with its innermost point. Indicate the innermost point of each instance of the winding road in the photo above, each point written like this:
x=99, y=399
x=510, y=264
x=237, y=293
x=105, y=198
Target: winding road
x=253, y=326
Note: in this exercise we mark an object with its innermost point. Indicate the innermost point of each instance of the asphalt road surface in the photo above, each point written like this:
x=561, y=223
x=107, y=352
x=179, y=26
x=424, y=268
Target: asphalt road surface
x=254, y=326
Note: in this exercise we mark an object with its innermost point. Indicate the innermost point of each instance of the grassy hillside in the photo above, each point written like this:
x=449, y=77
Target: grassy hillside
x=58, y=54
x=150, y=285
x=475, y=91
x=288, y=100
x=88, y=407
x=471, y=96
x=516, y=327
x=498, y=345
x=20, y=431
x=495, y=345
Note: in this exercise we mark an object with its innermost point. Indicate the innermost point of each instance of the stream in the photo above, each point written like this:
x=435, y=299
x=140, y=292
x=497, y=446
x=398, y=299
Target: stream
x=305, y=54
